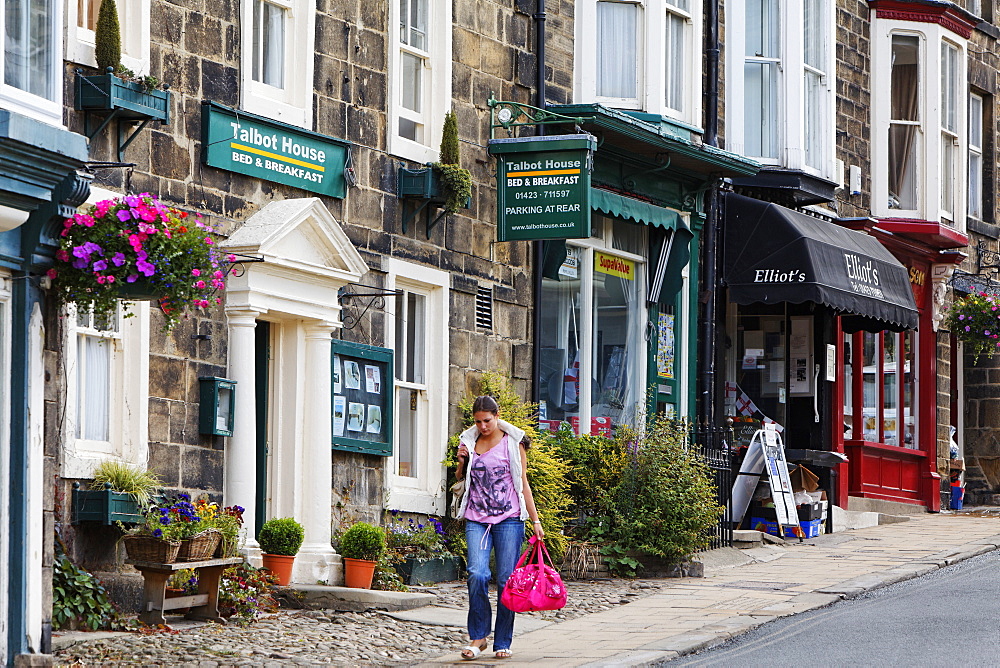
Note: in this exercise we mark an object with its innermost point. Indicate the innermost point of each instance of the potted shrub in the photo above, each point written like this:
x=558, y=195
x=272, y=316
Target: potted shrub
x=135, y=247
x=420, y=551
x=361, y=546
x=280, y=539
x=134, y=97
x=119, y=493
x=446, y=183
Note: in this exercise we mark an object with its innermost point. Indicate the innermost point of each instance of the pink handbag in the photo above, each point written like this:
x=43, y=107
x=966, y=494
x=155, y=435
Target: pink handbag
x=534, y=585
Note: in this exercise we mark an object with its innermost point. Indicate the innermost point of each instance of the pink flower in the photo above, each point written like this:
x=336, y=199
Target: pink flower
x=101, y=279
x=231, y=257
x=111, y=279
x=200, y=284
x=208, y=240
x=62, y=255
x=51, y=273
x=196, y=272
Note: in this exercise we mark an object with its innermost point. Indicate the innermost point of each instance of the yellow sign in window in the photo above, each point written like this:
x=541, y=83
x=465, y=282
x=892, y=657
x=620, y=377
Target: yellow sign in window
x=614, y=266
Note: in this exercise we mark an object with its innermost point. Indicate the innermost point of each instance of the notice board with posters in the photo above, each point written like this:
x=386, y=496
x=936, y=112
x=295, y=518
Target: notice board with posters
x=362, y=410
x=543, y=186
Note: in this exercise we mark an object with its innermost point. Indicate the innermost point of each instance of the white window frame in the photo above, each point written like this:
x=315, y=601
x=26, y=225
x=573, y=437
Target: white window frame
x=5, y=492
x=976, y=150
x=651, y=45
x=929, y=188
x=292, y=104
x=436, y=92
x=28, y=104
x=133, y=16
x=791, y=88
x=424, y=493
x=129, y=436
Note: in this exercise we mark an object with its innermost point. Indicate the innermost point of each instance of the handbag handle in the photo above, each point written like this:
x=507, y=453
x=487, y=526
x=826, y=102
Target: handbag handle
x=543, y=553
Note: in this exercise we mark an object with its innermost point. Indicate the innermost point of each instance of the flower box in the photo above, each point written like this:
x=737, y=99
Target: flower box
x=421, y=183
x=417, y=570
x=104, y=506
x=106, y=92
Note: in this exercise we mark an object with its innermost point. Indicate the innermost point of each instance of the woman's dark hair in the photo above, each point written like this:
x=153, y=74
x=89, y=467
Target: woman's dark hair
x=485, y=404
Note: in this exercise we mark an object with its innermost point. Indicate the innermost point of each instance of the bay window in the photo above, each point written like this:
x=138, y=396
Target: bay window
x=420, y=65
x=779, y=83
x=640, y=55
x=919, y=132
x=31, y=60
x=277, y=59
x=417, y=331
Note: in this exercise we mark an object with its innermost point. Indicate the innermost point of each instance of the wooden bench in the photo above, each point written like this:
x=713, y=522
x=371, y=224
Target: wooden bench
x=204, y=605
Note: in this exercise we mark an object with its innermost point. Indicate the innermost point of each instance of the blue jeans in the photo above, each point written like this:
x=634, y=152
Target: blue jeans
x=505, y=539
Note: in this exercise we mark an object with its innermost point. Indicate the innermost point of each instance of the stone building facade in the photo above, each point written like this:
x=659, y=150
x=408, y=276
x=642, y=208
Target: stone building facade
x=353, y=94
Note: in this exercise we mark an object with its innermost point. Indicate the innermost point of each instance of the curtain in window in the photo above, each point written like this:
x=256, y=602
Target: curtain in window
x=269, y=44
x=675, y=61
x=93, y=388
x=617, y=50
x=904, y=101
x=29, y=35
x=975, y=156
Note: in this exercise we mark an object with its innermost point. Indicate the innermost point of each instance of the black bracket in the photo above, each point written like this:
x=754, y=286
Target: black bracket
x=236, y=266
x=986, y=259
x=509, y=115
x=368, y=297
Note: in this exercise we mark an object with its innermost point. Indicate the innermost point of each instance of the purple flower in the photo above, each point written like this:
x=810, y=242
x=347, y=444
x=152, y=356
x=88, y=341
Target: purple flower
x=100, y=265
x=124, y=215
x=118, y=259
x=80, y=263
x=132, y=200
x=145, y=268
x=131, y=278
x=158, y=533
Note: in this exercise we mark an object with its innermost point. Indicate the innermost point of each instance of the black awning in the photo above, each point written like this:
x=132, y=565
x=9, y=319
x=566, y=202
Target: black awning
x=774, y=254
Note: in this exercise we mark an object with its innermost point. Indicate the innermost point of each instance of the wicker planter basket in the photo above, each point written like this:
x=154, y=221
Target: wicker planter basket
x=148, y=548
x=200, y=546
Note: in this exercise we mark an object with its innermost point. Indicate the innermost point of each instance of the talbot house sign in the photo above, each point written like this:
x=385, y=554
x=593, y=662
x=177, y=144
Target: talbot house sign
x=543, y=186
x=248, y=144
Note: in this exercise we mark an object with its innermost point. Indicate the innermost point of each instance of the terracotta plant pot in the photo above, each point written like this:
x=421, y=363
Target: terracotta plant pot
x=358, y=573
x=281, y=566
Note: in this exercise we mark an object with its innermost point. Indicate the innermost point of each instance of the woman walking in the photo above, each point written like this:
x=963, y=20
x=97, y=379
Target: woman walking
x=493, y=460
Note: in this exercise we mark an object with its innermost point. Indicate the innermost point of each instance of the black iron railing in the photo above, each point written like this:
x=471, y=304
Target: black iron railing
x=712, y=443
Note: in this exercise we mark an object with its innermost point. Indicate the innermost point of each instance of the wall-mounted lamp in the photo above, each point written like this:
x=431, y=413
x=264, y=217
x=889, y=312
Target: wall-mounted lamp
x=218, y=404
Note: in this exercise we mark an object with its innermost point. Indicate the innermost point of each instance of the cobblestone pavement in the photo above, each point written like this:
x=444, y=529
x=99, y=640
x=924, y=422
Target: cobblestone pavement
x=311, y=637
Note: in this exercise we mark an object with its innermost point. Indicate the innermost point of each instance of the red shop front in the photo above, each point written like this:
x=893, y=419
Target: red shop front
x=887, y=391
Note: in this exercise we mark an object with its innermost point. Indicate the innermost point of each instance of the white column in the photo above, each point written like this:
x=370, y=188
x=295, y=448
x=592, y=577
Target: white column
x=240, y=486
x=317, y=561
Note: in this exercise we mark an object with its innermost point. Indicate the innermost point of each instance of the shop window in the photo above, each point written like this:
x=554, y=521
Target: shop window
x=32, y=58
x=637, y=54
x=417, y=332
x=277, y=59
x=879, y=403
x=133, y=16
x=976, y=191
x=779, y=85
x=592, y=348
x=919, y=122
x=420, y=74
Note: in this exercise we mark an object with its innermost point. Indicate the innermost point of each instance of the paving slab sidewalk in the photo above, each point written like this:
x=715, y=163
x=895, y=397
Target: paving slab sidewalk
x=689, y=614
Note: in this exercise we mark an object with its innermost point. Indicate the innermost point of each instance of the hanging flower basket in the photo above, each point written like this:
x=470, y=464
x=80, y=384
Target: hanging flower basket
x=135, y=248
x=975, y=320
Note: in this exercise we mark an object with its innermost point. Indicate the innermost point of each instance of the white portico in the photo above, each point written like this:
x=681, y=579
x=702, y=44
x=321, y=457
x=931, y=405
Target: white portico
x=282, y=313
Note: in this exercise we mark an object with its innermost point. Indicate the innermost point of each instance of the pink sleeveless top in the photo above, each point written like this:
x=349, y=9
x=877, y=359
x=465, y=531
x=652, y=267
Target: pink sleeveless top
x=492, y=495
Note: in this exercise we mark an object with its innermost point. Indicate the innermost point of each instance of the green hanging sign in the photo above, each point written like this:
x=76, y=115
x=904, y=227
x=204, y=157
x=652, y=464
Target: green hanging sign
x=249, y=144
x=543, y=186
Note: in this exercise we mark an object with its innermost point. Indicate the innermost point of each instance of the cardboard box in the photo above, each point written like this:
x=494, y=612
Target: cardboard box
x=957, y=464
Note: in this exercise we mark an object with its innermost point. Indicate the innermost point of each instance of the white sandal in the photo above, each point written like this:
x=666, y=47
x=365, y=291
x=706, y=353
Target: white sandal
x=476, y=651
x=506, y=653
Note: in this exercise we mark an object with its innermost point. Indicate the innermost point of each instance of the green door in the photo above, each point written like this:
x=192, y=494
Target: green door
x=262, y=355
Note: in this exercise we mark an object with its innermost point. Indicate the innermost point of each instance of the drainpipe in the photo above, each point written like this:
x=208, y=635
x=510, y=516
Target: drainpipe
x=536, y=325
x=707, y=358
